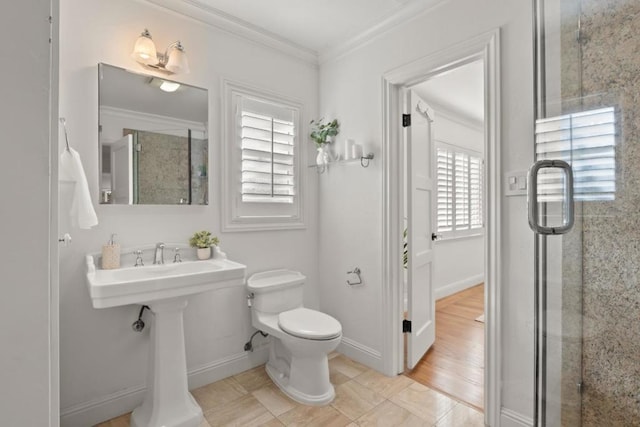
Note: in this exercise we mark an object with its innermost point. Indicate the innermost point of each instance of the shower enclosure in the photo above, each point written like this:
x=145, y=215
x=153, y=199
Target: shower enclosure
x=585, y=211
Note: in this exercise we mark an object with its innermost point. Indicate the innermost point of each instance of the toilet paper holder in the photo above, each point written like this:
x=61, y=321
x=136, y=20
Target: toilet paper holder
x=355, y=271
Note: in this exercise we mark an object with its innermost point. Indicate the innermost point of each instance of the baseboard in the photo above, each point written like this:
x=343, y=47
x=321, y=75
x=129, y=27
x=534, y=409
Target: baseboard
x=461, y=285
x=223, y=368
x=104, y=408
x=509, y=418
x=101, y=409
x=361, y=353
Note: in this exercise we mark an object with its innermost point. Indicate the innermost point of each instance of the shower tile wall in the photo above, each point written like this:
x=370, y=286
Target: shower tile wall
x=163, y=169
x=199, y=174
x=572, y=243
x=610, y=75
x=572, y=268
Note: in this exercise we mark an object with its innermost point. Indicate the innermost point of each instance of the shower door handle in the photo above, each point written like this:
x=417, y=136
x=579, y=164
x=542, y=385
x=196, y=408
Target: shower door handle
x=567, y=198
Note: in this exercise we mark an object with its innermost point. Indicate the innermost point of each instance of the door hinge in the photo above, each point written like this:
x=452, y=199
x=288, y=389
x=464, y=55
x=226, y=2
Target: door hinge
x=138, y=147
x=580, y=387
x=406, y=326
x=406, y=120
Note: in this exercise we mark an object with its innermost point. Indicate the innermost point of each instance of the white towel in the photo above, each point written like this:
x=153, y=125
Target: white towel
x=70, y=169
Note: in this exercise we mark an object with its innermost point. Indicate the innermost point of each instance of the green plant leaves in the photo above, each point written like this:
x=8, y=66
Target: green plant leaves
x=320, y=131
x=203, y=239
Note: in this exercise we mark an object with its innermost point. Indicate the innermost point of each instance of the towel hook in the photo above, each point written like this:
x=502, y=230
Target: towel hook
x=66, y=136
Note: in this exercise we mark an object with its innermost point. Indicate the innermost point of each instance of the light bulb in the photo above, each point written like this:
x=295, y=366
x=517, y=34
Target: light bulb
x=167, y=86
x=144, y=51
x=177, y=62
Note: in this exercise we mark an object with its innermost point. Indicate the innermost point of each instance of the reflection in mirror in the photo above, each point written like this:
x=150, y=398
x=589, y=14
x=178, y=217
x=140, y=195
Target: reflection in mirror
x=153, y=140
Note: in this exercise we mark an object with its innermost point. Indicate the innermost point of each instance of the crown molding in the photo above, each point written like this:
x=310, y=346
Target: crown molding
x=238, y=27
x=456, y=115
x=407, y=13
x=210, y=15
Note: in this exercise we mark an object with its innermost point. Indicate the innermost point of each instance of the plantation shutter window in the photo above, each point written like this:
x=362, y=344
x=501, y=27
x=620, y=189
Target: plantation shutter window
x=444, y=196
x=586, y=140
x=475, y=192
x=262, y=175
x=267, y=144
x=461, y=185
x=459, y=191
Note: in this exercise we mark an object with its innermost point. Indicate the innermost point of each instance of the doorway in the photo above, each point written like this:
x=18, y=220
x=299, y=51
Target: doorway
x=485, y=48
x=447, y=119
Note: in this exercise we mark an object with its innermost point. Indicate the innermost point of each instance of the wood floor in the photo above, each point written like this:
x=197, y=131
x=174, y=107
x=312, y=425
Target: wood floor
x=455, y=363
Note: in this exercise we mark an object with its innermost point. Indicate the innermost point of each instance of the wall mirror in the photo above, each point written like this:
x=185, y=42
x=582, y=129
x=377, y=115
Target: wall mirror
x=153, y=140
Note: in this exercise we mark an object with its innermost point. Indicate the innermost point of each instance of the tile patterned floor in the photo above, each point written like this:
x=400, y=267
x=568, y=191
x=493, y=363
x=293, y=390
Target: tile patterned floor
x=364, y=397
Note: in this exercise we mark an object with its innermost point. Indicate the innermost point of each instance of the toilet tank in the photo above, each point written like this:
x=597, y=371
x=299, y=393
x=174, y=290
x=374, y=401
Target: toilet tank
x=276, y=291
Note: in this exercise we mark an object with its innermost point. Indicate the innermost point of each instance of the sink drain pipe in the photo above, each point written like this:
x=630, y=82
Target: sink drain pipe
x=138, y=325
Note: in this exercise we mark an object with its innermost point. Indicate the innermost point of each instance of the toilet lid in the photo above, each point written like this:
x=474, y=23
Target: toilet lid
x=309, y=324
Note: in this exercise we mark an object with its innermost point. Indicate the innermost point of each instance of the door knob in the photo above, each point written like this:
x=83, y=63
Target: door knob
x=65, y=240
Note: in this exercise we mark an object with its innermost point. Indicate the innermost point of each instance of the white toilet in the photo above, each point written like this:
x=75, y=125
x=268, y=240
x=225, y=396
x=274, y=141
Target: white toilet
x=300, y=338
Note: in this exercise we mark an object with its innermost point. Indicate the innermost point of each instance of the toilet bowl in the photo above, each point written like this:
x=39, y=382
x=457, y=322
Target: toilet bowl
x=301, y=338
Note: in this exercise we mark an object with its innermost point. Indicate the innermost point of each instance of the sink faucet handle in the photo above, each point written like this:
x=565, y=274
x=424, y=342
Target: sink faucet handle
x=160, y=245
x=139, y=261
x=177, y=257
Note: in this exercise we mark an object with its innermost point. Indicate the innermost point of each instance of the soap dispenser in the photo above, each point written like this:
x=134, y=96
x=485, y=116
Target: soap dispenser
x=111, y=254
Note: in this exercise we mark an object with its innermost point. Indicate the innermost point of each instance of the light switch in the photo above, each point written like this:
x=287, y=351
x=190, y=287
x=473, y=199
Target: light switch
x=516, y=183
x=522, y=182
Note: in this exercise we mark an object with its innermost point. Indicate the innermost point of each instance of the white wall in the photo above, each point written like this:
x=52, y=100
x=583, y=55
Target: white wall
x=102, y=360
x=455, y=129
x=458, y=263
x=351, y=197
x=28, y=359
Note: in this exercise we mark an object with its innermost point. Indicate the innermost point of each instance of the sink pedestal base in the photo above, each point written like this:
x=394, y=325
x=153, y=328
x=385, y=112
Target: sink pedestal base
x=167, y=402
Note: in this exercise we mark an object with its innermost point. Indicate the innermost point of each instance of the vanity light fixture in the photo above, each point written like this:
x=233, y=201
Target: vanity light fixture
x=173, y=61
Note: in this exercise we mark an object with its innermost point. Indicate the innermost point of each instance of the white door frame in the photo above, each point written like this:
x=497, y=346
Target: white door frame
x=54, y=244
x=487, y=48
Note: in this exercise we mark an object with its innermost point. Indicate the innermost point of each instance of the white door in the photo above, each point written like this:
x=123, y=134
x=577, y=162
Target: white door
x=420, y=199
x=122, y=171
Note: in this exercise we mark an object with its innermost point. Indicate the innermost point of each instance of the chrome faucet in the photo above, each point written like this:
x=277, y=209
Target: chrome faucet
x=158, y=258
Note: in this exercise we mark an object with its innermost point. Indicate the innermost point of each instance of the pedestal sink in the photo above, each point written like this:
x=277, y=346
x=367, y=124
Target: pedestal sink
x=165, y=289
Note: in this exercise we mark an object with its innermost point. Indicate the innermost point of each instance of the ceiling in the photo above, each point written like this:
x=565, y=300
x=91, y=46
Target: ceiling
x=460, y=91
x=315, y=25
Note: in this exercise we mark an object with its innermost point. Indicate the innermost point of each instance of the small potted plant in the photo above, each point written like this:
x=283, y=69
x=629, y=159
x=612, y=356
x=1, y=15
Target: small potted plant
x=203, y=240
x=322, y=134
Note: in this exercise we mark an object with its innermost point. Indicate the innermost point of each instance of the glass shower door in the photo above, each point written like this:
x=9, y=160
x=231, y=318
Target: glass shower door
x=584, y=206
